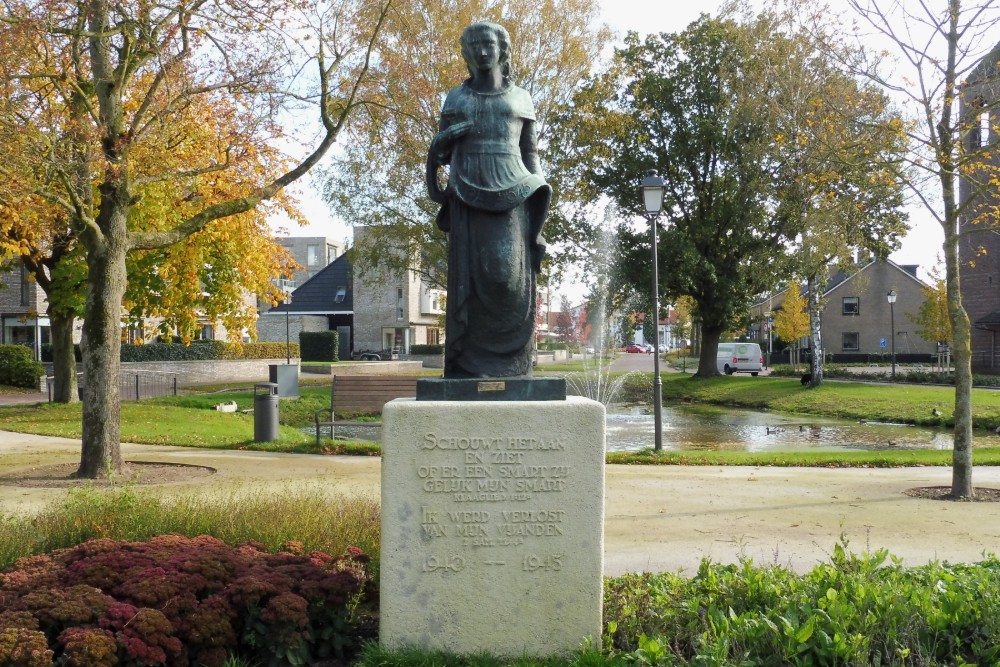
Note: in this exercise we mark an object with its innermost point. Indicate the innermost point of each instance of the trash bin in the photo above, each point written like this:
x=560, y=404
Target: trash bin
x=265, y=412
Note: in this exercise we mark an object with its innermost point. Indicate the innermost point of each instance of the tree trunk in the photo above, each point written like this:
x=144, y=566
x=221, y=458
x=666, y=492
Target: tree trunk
x=817, y=286
x=707, y=363
x=64, y=388
x=101, y=345
x=961, y=461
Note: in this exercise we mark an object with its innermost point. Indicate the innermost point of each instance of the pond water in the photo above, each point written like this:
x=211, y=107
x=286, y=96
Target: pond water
x=700, y=427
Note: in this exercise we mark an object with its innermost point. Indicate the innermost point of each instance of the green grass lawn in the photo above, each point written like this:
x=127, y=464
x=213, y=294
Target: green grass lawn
x=191, y=420
x=906, y=403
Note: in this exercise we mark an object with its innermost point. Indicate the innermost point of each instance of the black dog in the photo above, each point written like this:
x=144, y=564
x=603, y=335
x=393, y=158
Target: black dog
x=806, y=379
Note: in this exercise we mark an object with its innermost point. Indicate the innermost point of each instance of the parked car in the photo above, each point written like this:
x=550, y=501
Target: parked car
x=635, y=348
x=373, y=355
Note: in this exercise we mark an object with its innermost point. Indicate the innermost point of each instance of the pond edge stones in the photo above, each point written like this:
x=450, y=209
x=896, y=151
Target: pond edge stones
x=492, y=526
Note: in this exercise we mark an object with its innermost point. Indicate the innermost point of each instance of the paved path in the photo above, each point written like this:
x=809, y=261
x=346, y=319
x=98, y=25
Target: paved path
x=657, y=518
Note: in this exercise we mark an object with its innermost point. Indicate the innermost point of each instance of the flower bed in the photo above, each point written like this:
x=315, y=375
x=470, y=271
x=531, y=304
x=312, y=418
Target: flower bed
x=181, y=601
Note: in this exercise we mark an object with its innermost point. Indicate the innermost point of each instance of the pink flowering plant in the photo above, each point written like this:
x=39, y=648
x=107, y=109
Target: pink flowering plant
x=180, y=601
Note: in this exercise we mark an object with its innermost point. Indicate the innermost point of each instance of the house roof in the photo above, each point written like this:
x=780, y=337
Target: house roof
x=840, y=278
x=849, y=277
x=329, y=292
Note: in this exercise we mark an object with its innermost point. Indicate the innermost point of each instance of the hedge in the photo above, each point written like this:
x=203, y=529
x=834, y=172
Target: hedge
x=320, y=345
x=18, y=367
x=427, y=349
x=206, y=350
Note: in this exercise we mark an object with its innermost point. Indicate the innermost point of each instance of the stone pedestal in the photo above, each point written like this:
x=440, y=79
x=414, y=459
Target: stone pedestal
x=492, y=525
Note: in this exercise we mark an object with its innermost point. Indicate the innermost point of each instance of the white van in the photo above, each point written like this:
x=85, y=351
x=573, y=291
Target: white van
x=739, y=358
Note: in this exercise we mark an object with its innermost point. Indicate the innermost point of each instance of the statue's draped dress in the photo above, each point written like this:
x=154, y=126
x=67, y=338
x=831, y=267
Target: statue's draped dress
x=496, y=205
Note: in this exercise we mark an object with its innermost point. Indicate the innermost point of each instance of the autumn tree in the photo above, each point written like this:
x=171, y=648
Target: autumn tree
x=683, y=103
x=763, y=144
x=791, y=323
x=936, y=47
x=378, y=178
x=116, y=75
x=932, y=317
x=840, y=144
x=209, y=275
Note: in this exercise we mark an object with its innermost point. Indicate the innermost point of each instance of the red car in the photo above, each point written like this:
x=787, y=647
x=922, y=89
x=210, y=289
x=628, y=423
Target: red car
x=635, y=348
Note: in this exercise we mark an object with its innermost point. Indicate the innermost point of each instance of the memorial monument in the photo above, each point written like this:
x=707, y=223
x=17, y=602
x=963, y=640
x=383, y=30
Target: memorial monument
x=492, y=481
x=493, y=207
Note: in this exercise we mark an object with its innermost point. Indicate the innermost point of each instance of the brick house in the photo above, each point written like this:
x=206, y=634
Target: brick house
x=369, y=311
x=857, y=319
x=979, y=244
x=395, y=312
x=22, y=310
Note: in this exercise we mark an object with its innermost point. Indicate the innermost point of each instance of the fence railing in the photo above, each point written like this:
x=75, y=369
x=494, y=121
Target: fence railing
x=134, y=386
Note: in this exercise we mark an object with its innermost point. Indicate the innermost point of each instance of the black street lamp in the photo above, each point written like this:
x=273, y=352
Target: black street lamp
x=652, y=199
x=891, y=296
x=288, y=338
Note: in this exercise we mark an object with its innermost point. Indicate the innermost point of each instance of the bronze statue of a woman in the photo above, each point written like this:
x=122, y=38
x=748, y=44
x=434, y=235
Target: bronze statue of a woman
x=493, y=209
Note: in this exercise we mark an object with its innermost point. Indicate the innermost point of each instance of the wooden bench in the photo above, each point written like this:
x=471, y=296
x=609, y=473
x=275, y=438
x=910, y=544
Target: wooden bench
x=363, y=394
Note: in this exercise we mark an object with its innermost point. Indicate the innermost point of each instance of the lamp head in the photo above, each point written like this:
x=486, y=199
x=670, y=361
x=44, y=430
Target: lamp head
x=891, y=296
x=652, y=192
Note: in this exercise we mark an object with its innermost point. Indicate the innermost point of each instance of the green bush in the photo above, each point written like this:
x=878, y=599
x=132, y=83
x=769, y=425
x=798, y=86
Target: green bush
x=261, y=351
x=320, y=345
x=205, y=350
x=427, y=349
x=47, y=353
x=18, y=368
x=862, y=609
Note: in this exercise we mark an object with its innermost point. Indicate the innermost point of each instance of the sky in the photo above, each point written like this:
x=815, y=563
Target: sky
x=921, y=246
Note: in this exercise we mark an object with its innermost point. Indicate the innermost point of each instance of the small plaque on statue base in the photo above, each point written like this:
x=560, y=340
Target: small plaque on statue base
x=491, y=389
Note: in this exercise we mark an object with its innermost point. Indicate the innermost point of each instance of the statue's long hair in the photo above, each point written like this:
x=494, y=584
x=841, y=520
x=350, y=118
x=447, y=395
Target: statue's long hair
x=503, y=38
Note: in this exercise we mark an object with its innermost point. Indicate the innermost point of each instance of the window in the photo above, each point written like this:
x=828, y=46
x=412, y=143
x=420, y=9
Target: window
x=399, y=313
x=984, y=129
x=312, y=255
x=852, y=305
x=850, y=341
x=341, y=294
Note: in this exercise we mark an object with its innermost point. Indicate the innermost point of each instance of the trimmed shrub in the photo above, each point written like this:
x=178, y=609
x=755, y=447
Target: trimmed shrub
x=18, y=368
x=47, y=353
x=320, y=345
x=175, y=600
x=205, y=350
x=427, y=349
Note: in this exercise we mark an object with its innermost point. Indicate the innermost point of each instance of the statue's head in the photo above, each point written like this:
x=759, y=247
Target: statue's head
x=503, y=39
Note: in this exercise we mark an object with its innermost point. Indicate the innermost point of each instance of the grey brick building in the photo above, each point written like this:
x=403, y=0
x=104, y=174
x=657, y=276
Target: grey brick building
x=858, y=318
x=394, y=312
x=22, y=309
x=979, y=246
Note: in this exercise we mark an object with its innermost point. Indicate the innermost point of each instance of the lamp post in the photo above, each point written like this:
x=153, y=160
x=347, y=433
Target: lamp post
x=652, y=199
x=891, y=296
x=288, y=338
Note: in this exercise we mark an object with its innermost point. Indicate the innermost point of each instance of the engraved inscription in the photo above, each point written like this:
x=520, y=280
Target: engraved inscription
x=508, y=486
x=452, y=563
